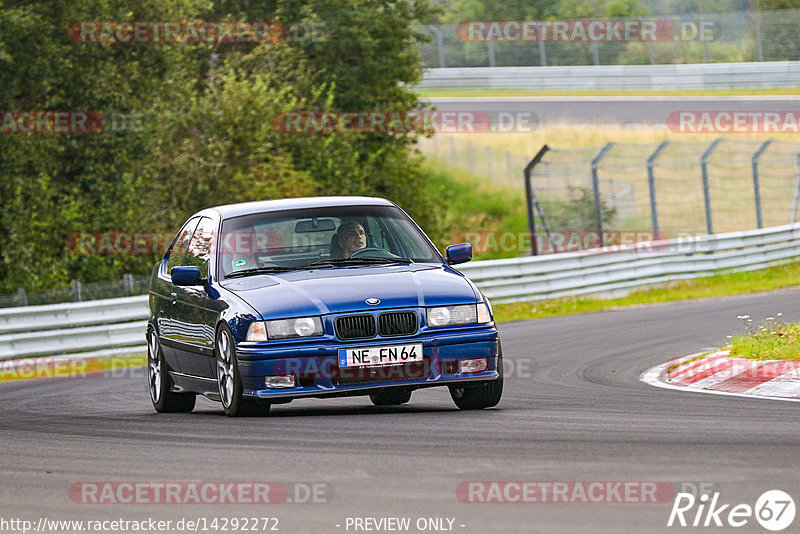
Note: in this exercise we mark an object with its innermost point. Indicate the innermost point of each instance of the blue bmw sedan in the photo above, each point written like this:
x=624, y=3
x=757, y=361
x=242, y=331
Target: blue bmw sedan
x=259, y=303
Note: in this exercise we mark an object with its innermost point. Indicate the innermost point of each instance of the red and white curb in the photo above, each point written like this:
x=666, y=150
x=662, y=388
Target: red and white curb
x=719, y=373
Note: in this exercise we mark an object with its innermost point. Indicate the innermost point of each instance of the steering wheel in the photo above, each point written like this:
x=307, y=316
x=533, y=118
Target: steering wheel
x=373, y=252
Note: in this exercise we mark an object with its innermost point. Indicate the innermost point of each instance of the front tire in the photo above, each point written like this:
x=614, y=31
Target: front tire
x=163, y=398
x=484, y=395
x=229, y=381
x=390, y=398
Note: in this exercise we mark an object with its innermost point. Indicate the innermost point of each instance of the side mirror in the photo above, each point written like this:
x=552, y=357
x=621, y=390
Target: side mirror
x=460, y=253
x=187, y=275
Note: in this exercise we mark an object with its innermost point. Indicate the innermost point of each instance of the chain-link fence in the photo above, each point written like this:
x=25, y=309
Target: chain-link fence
x=702, y=38
x=129, y=286
x=668, y=189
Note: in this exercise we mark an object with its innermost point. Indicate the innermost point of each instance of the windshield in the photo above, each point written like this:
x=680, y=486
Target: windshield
x=319, y=237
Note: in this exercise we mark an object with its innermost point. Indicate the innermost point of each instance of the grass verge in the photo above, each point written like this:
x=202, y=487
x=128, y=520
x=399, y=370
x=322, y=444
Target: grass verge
x=723, y=284
x=474, y=205
x=56, y=367
x=772, y=340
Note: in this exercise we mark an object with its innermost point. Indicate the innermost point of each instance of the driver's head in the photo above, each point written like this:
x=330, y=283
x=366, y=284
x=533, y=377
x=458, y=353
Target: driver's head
x=351, y=237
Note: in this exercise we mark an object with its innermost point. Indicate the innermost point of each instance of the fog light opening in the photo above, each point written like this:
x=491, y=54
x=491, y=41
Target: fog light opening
x=280, y=381
x=475, y=365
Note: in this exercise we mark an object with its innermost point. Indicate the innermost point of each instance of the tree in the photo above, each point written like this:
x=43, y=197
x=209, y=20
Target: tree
x=207, y=136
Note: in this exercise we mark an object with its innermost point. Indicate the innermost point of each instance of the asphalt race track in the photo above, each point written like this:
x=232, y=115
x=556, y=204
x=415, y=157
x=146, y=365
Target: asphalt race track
x=573, y=410
x=652, y=110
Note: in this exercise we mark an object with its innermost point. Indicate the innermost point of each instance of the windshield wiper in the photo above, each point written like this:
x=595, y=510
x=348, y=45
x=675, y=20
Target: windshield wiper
x=261, y=270
x=361, y=260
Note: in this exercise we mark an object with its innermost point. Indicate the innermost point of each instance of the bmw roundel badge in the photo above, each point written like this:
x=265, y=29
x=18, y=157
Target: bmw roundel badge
x=372, y=301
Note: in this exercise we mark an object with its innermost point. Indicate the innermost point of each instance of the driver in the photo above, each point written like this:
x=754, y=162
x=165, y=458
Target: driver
x=350, y=237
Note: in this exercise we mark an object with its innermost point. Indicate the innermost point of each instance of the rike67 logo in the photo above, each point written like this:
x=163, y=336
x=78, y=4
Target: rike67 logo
x=774, y=510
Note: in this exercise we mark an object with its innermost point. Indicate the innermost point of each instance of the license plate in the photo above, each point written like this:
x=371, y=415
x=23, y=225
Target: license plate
x=389, y=355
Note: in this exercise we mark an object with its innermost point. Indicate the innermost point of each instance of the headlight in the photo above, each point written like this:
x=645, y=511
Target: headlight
x=256, y=332
x=452, y=315
x=300, y=327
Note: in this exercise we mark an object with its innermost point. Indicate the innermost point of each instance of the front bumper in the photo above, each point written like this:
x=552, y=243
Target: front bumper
x=318, y=374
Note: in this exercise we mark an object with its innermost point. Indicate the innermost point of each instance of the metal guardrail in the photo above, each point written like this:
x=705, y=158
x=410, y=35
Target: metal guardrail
x=589, y=77
x=72, y=327
x=620, y=269
x=120, y=323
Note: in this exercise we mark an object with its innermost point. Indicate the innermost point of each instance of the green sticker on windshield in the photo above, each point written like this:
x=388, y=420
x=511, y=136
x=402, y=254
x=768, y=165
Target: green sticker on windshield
x=239, y=263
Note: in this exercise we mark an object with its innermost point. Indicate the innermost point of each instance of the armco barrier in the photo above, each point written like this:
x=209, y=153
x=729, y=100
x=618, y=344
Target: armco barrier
x=590, y=77
x=624, y=268
x=72, y=327
x=120, y=323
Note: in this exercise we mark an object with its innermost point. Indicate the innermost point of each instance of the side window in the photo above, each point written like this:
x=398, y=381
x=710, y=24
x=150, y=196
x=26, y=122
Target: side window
x=202, y=245
x=181, y=245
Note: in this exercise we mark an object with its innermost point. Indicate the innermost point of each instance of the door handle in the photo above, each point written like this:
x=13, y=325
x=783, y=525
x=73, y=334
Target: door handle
x=174, y=298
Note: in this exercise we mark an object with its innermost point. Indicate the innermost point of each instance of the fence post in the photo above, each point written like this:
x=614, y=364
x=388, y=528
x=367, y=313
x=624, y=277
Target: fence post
x=437, y=33
x=757, y=27
x=651, y=183
x=490, y=50
x=595, y=53
x=542, y=54
x=756, y=185
x=598, y=207
x=76, y=291
x=796, y=192
x=529, y=197
x=22, y=296
x=706, y=192
x=127, y=283
x=651, y=53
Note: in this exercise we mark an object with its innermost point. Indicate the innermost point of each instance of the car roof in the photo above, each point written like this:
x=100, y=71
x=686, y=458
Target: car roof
x=260, y=206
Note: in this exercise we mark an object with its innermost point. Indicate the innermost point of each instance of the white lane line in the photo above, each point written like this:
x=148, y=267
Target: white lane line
x=654, y=376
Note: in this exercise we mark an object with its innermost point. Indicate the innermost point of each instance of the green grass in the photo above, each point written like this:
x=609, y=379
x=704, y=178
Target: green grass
x=476, y=206
x=51, y=367
x=772, y=278
x=426, y=93
x=772, y=340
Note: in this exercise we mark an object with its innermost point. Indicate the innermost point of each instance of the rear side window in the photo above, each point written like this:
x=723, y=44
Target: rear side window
x=181, y=244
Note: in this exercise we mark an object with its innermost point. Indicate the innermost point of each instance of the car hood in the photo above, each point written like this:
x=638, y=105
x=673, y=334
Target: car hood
x=346, y=289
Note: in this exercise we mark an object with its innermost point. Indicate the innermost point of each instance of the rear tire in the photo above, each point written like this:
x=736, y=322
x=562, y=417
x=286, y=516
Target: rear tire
x=163, y=398
x=229, y=381
x=390, y=398
x=484, y=395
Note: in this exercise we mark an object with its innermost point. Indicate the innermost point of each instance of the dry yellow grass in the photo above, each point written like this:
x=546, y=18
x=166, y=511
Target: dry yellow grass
x=586, y=135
